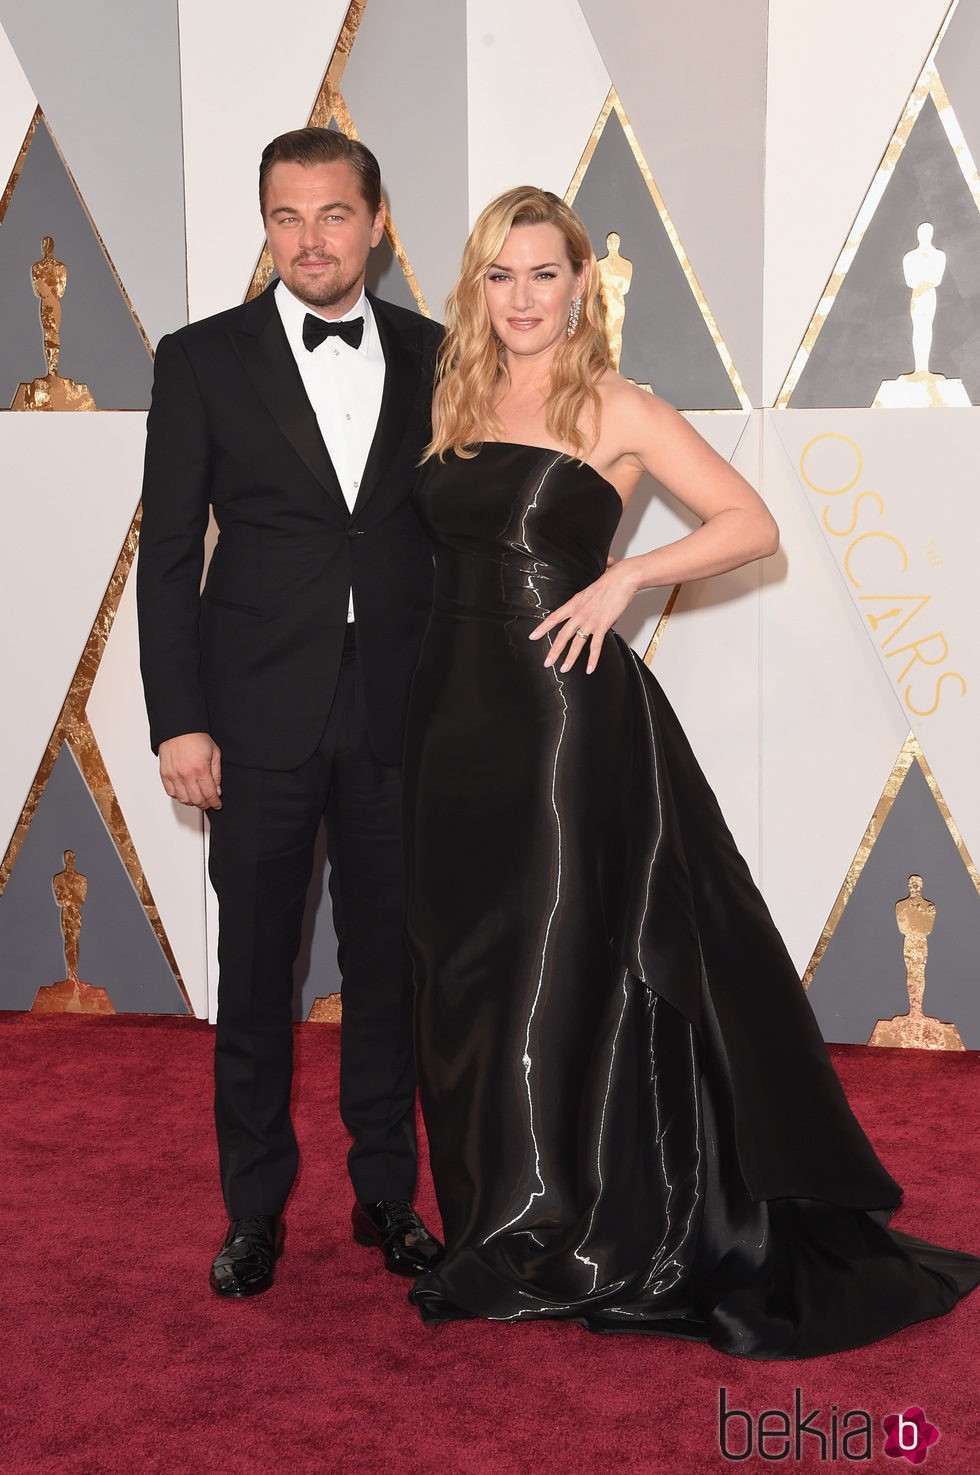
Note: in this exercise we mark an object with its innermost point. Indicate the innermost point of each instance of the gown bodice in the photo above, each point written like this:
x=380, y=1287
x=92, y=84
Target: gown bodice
x=532, y=527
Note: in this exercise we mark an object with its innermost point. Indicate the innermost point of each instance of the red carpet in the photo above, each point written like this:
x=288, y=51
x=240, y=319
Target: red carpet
x=118, y=1360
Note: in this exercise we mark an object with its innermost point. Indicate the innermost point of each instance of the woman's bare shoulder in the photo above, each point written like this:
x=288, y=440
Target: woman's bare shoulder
x=625, y=404
x=632, y=417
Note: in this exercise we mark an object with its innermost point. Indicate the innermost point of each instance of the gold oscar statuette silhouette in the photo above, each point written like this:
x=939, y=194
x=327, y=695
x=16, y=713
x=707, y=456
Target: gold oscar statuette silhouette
x=49, y=278
x=915, y=917
x=615, y=275
x=69, y=996
x=924, y=267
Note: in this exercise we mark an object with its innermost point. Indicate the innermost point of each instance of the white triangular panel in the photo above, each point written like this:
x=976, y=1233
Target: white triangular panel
x=536, y=85
x=830, y=724
x=244, y=79
x=708, y=664
x=73, y=483
x=17, y=105
x=167, y=837
x=838, y=80
x=654, y=518
x=907, y=564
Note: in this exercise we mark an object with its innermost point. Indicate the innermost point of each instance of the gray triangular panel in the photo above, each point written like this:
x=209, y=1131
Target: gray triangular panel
x=118, y=950
x=101, y=345
x=958, y=65
x=405, y=86
x=666, y=342
x=867, y=337
x=384, y=276
x=317, y=972
x=386, y=279
x=107, y=77
x=861, y=977
x=692, y=79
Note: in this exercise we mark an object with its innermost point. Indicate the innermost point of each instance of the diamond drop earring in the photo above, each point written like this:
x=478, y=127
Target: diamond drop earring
x=574, y=313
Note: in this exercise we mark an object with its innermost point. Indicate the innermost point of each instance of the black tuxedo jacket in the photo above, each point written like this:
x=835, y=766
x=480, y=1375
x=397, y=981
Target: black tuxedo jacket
x=253, y=660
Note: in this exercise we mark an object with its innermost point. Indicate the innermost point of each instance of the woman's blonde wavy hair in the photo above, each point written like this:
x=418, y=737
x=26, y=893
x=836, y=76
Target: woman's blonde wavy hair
x=472, y=360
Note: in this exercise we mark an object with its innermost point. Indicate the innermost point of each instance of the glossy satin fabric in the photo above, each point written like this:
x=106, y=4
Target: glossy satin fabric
x=632, y=1119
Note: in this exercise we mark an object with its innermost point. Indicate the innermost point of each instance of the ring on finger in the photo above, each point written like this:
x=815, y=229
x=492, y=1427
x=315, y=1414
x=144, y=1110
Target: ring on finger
x=582, y=635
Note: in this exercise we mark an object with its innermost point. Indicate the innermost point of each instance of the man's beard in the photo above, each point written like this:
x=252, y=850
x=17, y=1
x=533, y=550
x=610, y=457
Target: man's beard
x=326, y=293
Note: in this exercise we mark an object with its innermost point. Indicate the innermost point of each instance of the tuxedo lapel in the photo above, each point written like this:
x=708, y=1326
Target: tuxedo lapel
x=263, y=348
x=402, y=367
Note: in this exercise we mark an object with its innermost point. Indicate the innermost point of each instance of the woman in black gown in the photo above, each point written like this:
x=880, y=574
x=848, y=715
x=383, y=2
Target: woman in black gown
x=633, y=1121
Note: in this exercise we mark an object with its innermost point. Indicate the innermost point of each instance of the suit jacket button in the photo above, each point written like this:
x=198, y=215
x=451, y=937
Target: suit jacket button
x=355, y=532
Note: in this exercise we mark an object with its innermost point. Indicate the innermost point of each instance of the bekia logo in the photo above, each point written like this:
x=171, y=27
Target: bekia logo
x=826, y=1435
x=909, y=1434
x=780, y=1435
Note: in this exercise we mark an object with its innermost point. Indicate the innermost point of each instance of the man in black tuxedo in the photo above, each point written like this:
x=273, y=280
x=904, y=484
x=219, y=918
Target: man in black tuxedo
x=277, y=696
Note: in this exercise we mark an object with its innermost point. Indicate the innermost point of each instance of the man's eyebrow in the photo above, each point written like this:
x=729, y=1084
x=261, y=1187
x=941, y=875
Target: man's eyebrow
x=293, y=209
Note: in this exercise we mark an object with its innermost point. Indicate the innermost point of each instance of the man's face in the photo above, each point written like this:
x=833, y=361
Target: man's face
x=320, y=230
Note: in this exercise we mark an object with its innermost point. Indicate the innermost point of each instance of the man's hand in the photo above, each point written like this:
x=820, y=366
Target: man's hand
x=190, y=769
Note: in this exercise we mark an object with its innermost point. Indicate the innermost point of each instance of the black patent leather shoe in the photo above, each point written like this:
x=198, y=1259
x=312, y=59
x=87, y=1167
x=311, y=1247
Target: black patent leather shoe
x=246, y=1262
x=394, y=1227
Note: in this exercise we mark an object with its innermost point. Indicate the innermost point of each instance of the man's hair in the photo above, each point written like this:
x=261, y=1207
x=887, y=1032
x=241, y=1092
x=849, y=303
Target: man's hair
x=309, y=146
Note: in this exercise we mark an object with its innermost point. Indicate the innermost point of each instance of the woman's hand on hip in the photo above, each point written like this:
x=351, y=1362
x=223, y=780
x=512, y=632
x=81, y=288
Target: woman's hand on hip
x=582, y=623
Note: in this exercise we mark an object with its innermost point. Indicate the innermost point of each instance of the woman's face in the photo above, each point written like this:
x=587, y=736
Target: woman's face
x=529, y=289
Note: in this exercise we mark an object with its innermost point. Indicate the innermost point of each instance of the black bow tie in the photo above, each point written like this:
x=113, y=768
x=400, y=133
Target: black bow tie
x=315, y=329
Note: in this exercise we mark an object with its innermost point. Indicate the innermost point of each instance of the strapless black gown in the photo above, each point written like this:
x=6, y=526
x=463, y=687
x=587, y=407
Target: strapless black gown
x=633, y=1121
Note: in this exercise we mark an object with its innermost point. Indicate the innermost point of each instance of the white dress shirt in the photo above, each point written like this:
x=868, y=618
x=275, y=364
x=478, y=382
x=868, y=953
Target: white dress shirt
x=344, y=385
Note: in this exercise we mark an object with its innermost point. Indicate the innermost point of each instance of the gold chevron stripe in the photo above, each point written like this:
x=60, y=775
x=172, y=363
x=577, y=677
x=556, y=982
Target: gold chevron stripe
x=910, y=753
x=329, y=105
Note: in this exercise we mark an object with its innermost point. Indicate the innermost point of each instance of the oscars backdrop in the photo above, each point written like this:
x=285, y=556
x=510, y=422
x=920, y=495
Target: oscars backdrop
x=785, y=205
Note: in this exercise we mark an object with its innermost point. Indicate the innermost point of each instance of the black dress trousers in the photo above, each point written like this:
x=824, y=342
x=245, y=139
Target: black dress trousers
x=262, y=842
